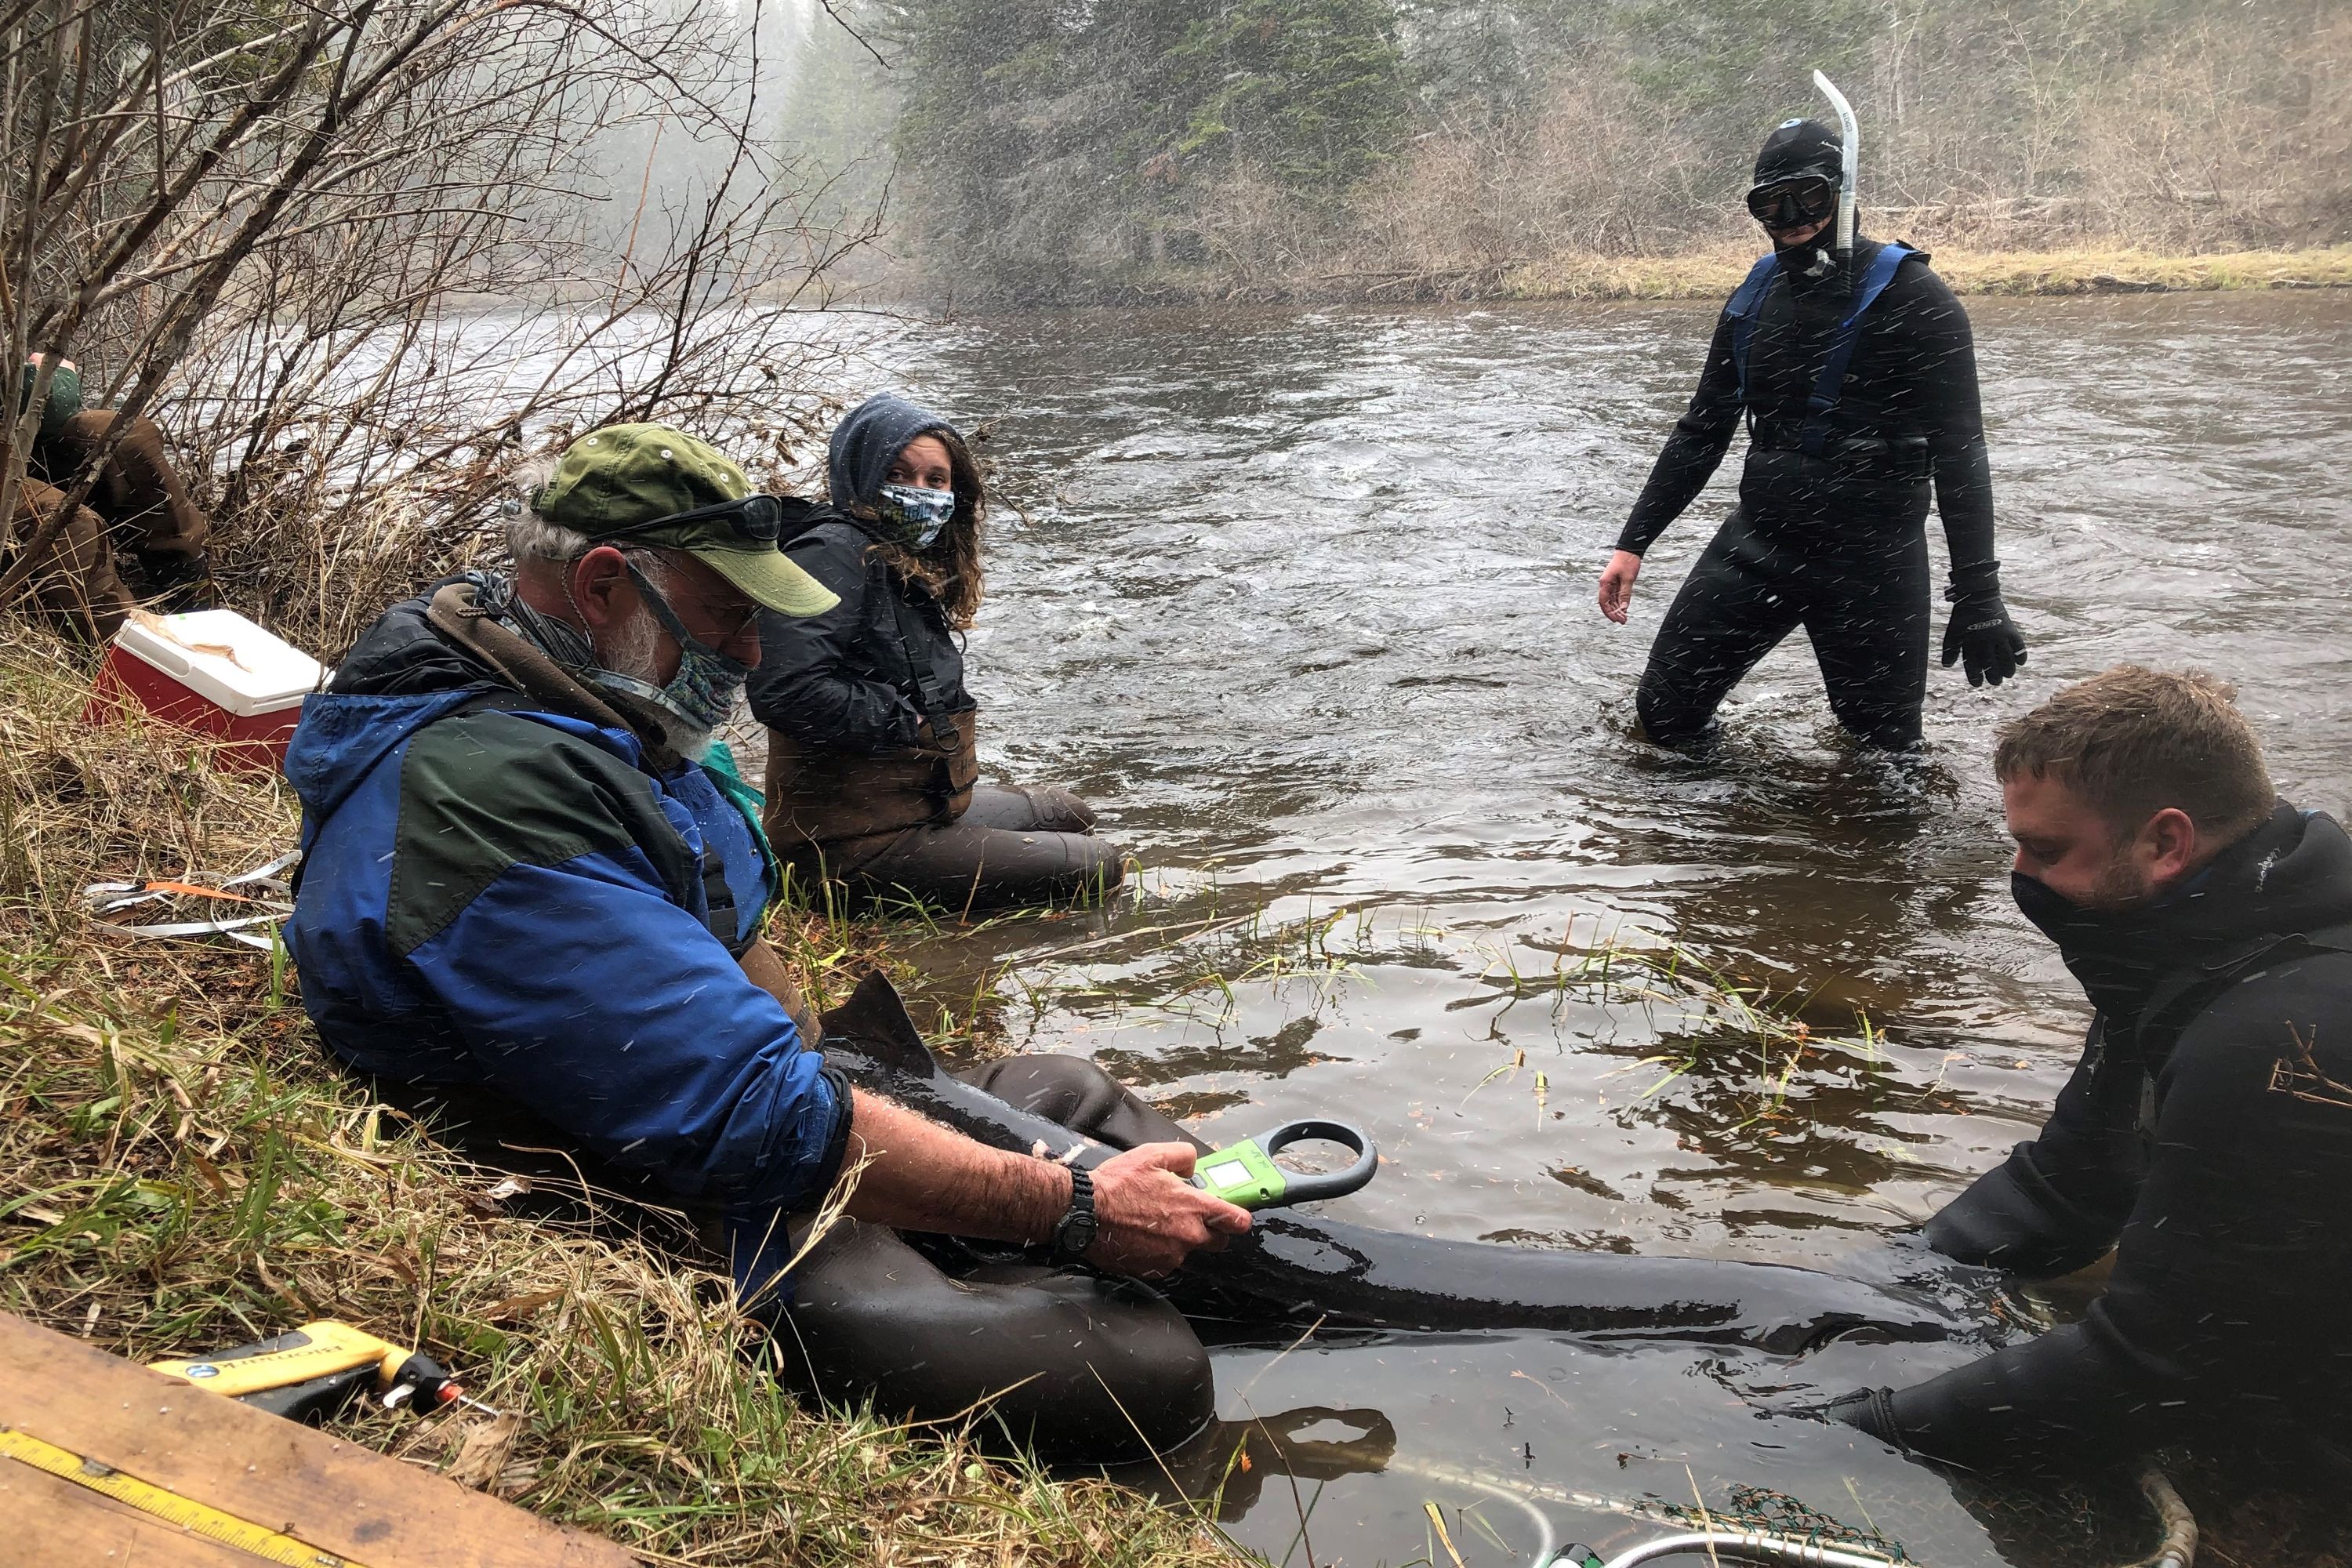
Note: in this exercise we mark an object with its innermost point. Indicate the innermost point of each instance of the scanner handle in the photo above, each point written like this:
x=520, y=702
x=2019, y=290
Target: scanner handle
x=1307, y=1188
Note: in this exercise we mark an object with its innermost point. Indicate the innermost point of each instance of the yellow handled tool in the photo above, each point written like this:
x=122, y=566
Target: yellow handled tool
x=307, y=1373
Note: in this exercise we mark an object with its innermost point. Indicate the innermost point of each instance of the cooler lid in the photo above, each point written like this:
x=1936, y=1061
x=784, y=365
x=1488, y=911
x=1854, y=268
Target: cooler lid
x=223, y=657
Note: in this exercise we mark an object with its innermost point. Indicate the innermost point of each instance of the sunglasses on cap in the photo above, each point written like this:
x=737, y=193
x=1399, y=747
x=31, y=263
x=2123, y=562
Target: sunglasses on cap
x=756, y=519
x=1790, y=204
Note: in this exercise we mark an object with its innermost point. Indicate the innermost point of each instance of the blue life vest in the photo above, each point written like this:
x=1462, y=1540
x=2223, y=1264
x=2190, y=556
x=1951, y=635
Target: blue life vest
x=1747, y=302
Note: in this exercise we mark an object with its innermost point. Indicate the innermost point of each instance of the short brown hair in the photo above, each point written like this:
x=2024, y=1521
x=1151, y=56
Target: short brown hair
x=2133, y=741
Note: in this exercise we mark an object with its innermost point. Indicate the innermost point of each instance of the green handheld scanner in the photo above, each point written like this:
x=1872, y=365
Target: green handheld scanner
x=1246, y=1173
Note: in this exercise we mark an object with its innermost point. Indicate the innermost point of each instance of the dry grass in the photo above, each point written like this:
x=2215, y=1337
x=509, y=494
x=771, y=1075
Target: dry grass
x=2089, y=271
x=2086, y=269
x=180, y=1169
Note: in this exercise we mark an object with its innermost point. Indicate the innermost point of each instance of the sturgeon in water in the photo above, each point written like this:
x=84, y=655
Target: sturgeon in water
x=1298, y=1268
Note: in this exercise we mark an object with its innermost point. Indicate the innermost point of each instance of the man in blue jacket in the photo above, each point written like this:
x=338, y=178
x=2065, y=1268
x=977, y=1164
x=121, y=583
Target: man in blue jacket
x=531, y=891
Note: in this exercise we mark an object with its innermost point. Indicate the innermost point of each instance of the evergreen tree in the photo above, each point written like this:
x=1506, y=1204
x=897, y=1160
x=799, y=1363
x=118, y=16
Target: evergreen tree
x=1311, y=91
x=1050, y=151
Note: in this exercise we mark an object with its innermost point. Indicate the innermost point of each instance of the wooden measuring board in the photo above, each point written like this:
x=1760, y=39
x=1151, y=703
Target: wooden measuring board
x=103, y=1462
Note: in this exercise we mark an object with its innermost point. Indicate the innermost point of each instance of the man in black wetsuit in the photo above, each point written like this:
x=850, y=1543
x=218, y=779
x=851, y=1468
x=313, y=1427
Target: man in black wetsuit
x=2205, y=1136
x=1858, y=379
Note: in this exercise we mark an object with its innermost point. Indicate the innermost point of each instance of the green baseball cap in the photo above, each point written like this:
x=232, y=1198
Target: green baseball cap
x=652, y=484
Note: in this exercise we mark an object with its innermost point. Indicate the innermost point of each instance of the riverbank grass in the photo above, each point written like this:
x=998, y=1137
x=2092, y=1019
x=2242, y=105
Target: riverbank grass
x=2090, y=269
x=180, y=1170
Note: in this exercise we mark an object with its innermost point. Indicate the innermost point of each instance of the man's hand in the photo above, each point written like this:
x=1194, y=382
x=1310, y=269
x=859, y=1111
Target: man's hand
x=1617, y=584
x=1152, y=1217
x=922, y=1176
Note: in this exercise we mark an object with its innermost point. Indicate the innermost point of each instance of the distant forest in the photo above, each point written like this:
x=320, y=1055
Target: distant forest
x=1033, y=150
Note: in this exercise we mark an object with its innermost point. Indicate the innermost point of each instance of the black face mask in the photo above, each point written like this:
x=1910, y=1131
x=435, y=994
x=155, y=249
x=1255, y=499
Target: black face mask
x=2058, y=917
x=2117, y=954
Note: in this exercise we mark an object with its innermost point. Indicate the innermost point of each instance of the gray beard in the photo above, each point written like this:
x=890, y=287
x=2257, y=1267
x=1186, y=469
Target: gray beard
x=625, y=664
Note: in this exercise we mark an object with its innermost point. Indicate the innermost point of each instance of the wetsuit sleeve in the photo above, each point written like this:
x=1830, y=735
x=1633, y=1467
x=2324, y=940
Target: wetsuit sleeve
x=1700, y=439
x=2058, y=1202
x=2232, y=1255
x=808, y=685
x=536, y=895
x=1946, y=362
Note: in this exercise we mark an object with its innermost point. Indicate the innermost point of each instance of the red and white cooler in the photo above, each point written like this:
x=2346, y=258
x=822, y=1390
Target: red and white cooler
x=213, y=672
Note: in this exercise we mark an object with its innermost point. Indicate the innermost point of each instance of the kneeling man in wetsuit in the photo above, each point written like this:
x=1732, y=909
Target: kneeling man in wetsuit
x=1856, y=377
x=2205, y=1136
x=529, y=908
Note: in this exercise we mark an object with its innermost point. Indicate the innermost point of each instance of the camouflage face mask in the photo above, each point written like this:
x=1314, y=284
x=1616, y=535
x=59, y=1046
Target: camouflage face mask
x=703, y=691
x=918, y=515
x=64, y=400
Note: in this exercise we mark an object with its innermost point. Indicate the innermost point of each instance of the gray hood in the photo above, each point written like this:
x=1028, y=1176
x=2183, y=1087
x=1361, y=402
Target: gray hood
x=868, y=439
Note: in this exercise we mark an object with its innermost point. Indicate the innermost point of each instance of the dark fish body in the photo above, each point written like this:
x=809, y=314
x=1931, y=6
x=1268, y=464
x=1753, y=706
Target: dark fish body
x=1297, y=1268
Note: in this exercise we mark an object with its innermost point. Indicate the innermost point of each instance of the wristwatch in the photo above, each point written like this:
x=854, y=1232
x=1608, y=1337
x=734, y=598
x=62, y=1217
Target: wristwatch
x=1075, y=1231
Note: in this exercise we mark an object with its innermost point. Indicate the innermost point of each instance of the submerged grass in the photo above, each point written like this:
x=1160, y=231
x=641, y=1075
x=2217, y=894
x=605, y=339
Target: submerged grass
x=1749, y=1035
x=180, y=1170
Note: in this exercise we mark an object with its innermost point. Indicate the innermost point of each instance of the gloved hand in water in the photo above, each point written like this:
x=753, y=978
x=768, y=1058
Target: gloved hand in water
x=1981, y=631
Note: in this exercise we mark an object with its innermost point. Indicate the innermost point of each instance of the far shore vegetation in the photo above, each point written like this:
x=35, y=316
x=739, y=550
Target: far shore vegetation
x=2069, y=271
x=2072, y=271
x=1398, y=150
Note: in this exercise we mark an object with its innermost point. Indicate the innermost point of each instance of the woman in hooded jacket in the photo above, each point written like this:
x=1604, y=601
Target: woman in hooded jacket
x=872, y=777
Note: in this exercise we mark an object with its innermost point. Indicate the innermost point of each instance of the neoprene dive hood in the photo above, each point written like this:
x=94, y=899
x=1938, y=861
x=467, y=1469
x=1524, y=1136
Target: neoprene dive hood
x=1801, y=150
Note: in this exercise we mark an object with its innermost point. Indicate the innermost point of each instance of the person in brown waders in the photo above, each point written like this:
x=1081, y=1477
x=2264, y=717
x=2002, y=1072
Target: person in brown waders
x=872, y=779
x=137, y=516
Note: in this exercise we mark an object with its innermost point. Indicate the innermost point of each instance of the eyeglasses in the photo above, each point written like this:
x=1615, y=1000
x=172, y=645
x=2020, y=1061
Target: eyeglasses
x=1790, y=204
x=755, y=519
x=733, y=626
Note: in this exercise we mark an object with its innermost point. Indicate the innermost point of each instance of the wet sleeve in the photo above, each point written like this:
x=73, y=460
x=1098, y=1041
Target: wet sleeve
x=1697, y=444
x=807, y=685
x=2233, y=1250
x=2058, y=1202
x=1953, y=413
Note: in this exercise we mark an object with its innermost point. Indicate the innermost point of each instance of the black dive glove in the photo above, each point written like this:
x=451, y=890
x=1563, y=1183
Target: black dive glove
x=1981, y=631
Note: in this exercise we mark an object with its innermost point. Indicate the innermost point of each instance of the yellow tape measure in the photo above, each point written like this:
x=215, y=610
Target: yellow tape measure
x=244, y=1534
x=314, y=1350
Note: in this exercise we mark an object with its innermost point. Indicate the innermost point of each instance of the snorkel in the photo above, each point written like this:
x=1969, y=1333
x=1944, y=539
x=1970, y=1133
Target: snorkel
x=1850, y=159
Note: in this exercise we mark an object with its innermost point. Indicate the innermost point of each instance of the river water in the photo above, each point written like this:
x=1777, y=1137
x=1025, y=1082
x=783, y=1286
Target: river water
x=1303, y=604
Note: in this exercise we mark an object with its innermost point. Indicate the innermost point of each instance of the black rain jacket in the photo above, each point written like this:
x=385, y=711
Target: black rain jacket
x=863, y=676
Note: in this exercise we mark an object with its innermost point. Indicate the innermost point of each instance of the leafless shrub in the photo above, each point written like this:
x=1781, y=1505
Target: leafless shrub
x=2025, y=128
x=2215, y=136
x=356, y=260
x=1593, y=170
